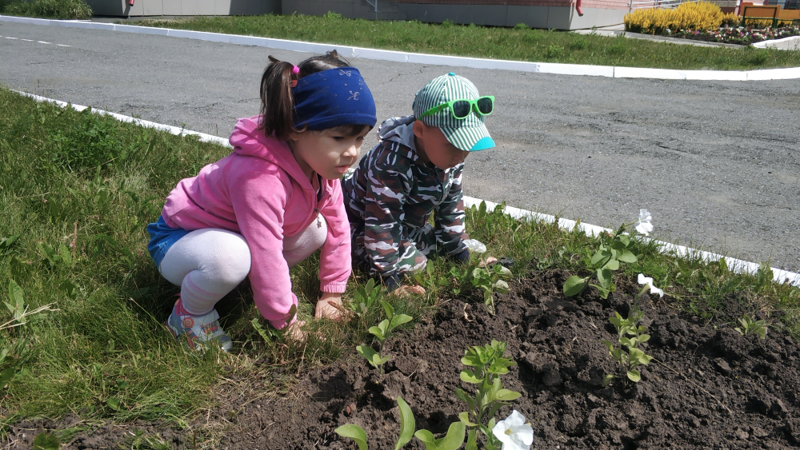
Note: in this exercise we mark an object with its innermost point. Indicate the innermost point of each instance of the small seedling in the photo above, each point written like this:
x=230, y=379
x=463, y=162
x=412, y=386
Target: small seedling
x=629, y=335
x=488, y=363
x=750, y=326
x=489, y=279
x=451, y=441
x=365, y=297
x=613, y=249
x=382, y=333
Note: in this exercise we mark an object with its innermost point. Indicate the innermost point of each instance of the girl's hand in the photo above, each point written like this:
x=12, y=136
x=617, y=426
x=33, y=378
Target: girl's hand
x=329, y=306
x=405, y=291
x=294, y=331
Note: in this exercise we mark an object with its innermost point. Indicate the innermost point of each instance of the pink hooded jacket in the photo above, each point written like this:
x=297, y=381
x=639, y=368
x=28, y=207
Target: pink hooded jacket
x=260, y=191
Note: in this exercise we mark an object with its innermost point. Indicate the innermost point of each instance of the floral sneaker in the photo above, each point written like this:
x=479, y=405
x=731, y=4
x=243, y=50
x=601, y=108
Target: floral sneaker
x=198, y=330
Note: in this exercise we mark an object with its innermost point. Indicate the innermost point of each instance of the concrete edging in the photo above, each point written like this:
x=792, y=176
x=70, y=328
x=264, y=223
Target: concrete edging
x=442, y=60
x=735, y=265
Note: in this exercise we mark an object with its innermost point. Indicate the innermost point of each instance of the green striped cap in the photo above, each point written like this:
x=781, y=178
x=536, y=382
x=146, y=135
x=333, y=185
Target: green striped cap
x=469, y=134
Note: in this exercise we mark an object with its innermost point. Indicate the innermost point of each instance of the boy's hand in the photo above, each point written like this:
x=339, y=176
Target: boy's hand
x=405, y=291
x=490, y=260
x=329, y=306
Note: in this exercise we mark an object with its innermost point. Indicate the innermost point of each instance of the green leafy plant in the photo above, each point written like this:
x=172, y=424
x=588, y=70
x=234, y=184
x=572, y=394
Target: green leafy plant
x=612, y=250
x=629, y=335
x=382, y=333
x=55, y=258
x=46, y=441
x=750, y=326
x=271, y=334
x=364, y=297
x=6, y=243
x=451, y=441
x=487, y=364
x=20, y=315
x=18, y=309
x=489, y=279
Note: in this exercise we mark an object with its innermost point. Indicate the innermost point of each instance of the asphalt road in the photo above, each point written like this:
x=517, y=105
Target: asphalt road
x=716, y=163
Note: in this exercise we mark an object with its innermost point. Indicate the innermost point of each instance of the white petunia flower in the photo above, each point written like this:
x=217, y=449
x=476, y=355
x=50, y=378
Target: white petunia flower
x=514, y=433
x=475, y=246
x=648, y=282
x=643, y=225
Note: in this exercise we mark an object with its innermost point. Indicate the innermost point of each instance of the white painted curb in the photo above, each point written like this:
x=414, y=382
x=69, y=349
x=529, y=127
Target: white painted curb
x=438, y=60
x=735, y=265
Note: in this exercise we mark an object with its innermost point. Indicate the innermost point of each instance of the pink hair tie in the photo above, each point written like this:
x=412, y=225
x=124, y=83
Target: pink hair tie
x=295, y=69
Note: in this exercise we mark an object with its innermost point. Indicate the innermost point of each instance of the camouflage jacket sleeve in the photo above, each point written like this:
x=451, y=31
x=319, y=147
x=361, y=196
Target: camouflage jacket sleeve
x=449, y=217
x=388, y=185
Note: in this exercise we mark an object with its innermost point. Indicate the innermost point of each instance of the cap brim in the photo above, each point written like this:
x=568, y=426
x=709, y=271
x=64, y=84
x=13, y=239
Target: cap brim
x=469, y=139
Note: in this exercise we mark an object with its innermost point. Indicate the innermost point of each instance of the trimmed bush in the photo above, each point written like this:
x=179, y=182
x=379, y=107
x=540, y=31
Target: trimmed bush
x=698, y=16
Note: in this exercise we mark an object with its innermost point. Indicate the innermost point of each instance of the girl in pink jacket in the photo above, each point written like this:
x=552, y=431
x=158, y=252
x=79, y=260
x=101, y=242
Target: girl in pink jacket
x=269, y=204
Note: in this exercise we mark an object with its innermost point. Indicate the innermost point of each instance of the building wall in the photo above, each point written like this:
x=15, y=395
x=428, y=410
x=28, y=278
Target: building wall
x=122, y=8
x=550, y=14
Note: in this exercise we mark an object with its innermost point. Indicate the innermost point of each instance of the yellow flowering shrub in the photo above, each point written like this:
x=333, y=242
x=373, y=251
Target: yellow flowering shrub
x=764, y=23
x=698, y=16
x=730, y=19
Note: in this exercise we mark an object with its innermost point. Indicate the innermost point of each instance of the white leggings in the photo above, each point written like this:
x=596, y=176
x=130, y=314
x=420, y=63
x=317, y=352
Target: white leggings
x=210, y=262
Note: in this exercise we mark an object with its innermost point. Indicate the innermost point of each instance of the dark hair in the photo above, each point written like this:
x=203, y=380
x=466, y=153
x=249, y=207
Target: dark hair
x=277, y=101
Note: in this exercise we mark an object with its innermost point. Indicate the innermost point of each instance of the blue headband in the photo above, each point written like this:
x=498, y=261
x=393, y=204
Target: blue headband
x=333, y=98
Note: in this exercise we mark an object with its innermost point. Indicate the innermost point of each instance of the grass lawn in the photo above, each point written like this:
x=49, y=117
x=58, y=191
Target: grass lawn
x=519, y=44
x=76, y=192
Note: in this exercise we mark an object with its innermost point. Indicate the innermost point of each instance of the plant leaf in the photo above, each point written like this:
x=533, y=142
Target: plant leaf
x=464, y=417
x=355, y=433
x=612, y=264
x=506, y=396
x=17, y=296
x=501, y=287
x=599, y=257
x=113, y=403
x=46, y=441
x=574, y=285
x=367, y=352
x=398, y=320
x=634, y=375
x=454, y=437
x=627, y=256
x=607, y=379
x=388, y=309
x=604, y=278
x=427, y=438
x=469, y=376
x=472, y=443
x=377, y=332
x=407, y=423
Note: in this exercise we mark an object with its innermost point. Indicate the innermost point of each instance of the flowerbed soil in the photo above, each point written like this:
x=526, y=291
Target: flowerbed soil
x=707, y=386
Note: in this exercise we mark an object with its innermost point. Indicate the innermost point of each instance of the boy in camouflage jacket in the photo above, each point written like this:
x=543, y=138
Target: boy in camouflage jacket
x=413, y=172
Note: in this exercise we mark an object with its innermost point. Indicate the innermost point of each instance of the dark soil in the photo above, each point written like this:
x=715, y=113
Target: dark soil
x=707, y=387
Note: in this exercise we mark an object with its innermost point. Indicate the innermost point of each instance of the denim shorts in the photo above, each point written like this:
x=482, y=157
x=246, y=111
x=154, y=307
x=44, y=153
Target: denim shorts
x=162, y=237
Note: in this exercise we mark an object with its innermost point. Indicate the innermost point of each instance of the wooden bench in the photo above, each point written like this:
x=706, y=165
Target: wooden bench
x=761, y=12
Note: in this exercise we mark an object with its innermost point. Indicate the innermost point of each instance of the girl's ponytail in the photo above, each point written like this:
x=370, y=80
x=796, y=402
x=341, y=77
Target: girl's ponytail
x=277, y=101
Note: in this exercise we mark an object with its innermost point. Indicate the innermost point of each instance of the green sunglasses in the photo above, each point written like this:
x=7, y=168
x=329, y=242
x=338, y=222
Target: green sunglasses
x=462, y=108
